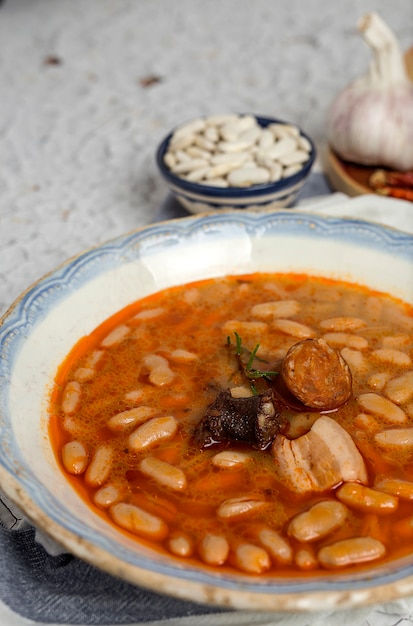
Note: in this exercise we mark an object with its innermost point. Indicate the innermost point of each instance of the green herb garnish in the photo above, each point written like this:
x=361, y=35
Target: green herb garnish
x=250, y=372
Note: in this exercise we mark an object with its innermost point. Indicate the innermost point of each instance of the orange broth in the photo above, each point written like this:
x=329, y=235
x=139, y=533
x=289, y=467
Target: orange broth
x=198, y=318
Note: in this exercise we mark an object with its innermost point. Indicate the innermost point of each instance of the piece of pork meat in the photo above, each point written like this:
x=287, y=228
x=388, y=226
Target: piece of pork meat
x=255, y=420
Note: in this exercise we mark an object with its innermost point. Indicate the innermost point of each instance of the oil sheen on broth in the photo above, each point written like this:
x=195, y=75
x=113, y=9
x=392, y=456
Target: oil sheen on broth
x=259, y=423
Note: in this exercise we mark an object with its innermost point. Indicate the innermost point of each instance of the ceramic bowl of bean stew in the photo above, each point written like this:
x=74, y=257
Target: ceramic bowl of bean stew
x=220, y=408
x=236, y=161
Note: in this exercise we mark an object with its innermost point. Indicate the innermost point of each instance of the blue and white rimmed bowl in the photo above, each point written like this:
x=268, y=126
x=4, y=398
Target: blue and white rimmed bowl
x=51, y=316
x=202, y=198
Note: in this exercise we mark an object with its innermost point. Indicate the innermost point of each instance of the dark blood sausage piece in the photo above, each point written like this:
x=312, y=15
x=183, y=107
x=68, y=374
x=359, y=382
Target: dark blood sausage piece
x=316, y=374
x=255, y=420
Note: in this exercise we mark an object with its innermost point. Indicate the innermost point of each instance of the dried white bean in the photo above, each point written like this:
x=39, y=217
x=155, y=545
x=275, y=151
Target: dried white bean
x=290, y=170
x=139, y=521
x=183, y=167
x=247, y=176
x=266, y=140
x=350, y=552
x=212, y=139
x=382, y=407
x=294, y=158
x=285, y=146
x=74, y=457
x=400, y=389
x=163, y=473
x=152, y=432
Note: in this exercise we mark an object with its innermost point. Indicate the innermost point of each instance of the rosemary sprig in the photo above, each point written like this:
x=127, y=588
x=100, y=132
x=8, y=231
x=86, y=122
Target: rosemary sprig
x=250, y=372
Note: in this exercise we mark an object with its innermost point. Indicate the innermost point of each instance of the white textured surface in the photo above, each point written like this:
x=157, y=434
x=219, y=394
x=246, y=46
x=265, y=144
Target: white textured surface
x=77, y=139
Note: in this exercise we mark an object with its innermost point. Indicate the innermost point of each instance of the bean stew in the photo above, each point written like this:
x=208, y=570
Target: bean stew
x=259, y=423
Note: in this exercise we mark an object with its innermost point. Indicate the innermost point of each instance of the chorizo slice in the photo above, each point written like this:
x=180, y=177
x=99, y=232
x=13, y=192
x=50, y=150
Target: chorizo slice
x=317, y=374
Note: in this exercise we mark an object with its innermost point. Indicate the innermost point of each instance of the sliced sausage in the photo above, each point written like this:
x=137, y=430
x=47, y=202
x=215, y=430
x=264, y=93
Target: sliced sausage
x=316, y=374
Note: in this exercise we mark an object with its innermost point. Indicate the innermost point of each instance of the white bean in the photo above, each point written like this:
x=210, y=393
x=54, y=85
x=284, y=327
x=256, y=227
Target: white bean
x=106, y=496
x=117, y=335
x=294, y=158
x=183, y=356
x=159, y=371
x=252, y=559
x=261, y=150
x=341, y=340
x=277, y=546
x=70, y=397
x=128, y=419
x=395, y=357
x=180, y=544
x=305, y=558
x=149, y=314
x=230, y=458
x=292, y=328
x=350, y=552
x=400, y=389
x=152, y=432
x=354, y=358
x=382, y=407
x=139, y=521
x=83, y=374
x=378, y=380
x=279, y=308
x=236, y=507
x=247, y=176
x=163, y=473
x=396, y=487
x=74, y=457
x=100, y=466
x=342, y=323
x=365, y=499
x=213, y=549
x=319, y=521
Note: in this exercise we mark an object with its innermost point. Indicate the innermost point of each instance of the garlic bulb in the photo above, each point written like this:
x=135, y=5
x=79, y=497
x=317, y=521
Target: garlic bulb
x=370, y=122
